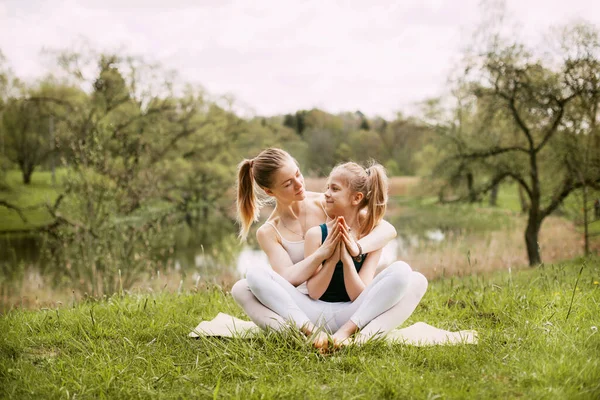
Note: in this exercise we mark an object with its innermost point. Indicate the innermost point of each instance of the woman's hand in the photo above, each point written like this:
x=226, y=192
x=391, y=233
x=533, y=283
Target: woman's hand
x=330, y=245
x=348, y=240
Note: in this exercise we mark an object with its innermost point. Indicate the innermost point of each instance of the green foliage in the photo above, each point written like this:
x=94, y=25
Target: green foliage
x=538, y=338
x=138, y=162
x=24, y=125
x=524, y=118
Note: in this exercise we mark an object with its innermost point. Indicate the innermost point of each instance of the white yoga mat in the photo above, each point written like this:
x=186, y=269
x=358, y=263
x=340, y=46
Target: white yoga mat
x=418, y=334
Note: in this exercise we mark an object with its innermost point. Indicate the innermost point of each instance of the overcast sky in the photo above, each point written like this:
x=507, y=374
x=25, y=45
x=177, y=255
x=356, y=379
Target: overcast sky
x=280, y=56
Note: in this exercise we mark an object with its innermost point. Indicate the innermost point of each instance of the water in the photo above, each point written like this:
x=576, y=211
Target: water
x=15, y=250
x=26, y=250
x=393, y=251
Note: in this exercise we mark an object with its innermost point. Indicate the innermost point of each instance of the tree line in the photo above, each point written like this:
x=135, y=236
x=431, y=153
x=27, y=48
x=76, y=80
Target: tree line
x=143, y=150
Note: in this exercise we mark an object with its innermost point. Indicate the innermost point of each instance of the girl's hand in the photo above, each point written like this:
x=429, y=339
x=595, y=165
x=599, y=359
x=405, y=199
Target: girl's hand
x=336, y=256
x=345, y=256
x=348, y=240
x=331, y=243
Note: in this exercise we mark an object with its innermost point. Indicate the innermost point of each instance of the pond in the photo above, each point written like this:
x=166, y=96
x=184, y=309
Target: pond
x=196, y=262
x=393, y=251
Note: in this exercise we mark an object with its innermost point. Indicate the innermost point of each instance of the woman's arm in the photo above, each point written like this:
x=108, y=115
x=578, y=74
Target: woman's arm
x=355, y=282
x=280, y=259
x=375, y=240
x=317, y=284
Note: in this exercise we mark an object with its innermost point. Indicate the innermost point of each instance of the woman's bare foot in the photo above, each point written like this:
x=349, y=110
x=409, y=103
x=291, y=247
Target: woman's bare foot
x=308, y=329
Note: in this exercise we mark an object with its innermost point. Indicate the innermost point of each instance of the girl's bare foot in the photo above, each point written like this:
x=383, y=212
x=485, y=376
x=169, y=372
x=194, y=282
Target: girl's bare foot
x=321, y=341
x=342, y=336
x=339, y=343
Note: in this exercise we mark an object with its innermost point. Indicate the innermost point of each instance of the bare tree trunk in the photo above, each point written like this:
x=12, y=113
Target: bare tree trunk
x=531, y=240
x=523, y=200
x=494, y=196
x=470, y=185
x=26, y=172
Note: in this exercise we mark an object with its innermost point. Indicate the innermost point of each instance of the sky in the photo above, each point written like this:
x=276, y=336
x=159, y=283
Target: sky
x=276, y=57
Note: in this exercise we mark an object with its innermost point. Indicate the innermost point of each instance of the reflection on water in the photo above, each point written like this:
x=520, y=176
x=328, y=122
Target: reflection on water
x=19, y=249
x=250, y=257
x=435, y=235
x=202, y=265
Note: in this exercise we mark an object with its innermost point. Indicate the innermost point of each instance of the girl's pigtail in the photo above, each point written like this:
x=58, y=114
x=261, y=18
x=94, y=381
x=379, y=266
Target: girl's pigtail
x=377, y=196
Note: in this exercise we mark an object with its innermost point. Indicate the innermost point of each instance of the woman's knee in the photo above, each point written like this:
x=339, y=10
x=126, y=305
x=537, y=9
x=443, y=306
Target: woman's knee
x=255, y=276
x=240, y=291
x=259, y=280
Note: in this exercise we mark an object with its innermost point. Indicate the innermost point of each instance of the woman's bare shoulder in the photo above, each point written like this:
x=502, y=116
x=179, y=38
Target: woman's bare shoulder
x=267, y=232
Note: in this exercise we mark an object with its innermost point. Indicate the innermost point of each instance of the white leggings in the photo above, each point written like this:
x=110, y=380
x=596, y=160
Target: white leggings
x=392, y=296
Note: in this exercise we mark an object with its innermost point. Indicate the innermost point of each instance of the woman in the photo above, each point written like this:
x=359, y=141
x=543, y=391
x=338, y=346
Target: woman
x=283, y=289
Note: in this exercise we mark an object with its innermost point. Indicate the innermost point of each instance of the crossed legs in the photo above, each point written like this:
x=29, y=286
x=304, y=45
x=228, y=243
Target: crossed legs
x=269, y=300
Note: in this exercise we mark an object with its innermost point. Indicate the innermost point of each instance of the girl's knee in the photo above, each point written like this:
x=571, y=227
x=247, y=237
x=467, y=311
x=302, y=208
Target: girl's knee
x=400, y=273
x=400, y=267
x=419, y=283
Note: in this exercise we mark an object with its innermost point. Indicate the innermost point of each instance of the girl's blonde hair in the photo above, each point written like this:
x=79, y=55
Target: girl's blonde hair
x=260, y=171
x=372, y=182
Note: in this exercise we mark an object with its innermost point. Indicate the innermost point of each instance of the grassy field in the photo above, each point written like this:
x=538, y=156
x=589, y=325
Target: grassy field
x=538, y=331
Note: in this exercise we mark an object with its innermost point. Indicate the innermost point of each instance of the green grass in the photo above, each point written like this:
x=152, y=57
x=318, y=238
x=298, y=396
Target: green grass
x=508, y=197
x=538, y=332
x=39, y=191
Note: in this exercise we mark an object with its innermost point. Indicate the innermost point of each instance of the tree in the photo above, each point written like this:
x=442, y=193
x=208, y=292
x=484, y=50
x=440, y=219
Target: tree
x=580, y=134
x=536, y=100
x=10, y=88
x=27, y=141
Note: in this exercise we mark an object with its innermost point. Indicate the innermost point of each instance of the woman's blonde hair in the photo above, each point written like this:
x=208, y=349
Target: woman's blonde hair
x=372, y=182
x=260, y=171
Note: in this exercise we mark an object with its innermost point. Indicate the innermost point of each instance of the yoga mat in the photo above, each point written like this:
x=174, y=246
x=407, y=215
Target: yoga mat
x=418, y=334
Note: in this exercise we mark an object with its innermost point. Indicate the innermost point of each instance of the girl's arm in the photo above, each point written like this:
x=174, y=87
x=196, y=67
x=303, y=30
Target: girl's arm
x=280, y=259
x=375, y=240
x=354, y=281
x=317, y=284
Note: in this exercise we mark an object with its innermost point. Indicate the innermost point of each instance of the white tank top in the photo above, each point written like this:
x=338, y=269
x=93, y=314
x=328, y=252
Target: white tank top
x=296, y=252
x=295, y=249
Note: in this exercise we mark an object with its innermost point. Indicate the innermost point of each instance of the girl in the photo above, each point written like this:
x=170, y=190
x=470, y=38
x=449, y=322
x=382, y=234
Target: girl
x=269, y=297
x=357, y=196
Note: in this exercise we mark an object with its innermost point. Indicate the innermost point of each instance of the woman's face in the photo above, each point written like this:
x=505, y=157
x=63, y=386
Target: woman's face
x=288, y=183
x=338, y=196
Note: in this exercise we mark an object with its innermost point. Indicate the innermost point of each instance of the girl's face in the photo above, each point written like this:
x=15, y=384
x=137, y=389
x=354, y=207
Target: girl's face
x=338, y=196
x=288, y=183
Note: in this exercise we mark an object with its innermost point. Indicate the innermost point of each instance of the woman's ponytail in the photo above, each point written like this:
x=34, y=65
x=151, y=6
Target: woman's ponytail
x=256, y=173
x=248, y=204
